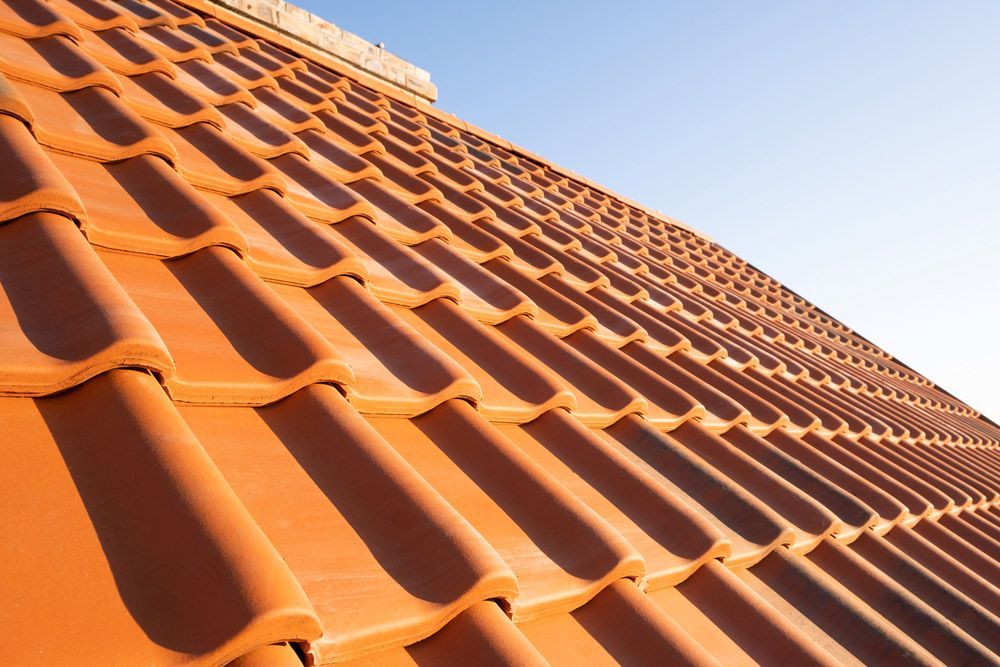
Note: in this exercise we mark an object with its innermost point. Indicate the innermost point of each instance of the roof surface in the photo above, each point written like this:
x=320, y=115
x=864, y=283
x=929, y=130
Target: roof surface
x=297, y=369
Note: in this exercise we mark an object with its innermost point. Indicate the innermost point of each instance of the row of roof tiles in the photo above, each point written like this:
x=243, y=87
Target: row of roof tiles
x=378, y=531
x=293, y=370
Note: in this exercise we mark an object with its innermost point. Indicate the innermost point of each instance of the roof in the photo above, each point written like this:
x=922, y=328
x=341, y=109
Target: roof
x=297, y=368
x=305, y=29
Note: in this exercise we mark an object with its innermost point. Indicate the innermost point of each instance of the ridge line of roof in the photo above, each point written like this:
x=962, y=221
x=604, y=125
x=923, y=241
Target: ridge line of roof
x=259, y=28
x=314, y=30
x=565, y=171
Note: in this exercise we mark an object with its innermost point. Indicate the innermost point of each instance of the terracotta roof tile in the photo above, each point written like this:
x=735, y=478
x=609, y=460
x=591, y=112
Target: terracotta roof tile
x=317, y=195
x=735, y=625
x=259, y=136
x=181, y=15
x=95, y=14
x=142, y=205
x=146, y=14
x=482, y=295
x=207, y=158
x=673, y=539
x=311, y=466
x=12, y=103
x=31, y=182
x=340, y=163
x=210, y=310
x=122, y=52
x=32, y=19
x=588, y=633
x=601, y=398
x=53, y=283
x=172, y=44
x=516, y=386
x=284, y=245
x=559, y=549
x=92, y=123
x=53, y=62
x=481, y=633
x=398, y=274
x=398, y=372
x=156, y=97
x=752, y=528
x=295, y=367
x=173, y=517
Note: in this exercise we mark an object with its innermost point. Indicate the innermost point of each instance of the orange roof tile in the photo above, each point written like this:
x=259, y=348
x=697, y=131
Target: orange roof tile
x=295, y=367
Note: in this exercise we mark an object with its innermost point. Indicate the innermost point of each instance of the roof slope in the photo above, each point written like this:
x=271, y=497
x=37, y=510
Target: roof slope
x=293, y=368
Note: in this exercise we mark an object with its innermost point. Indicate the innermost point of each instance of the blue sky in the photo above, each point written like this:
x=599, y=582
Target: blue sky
x=851, y=150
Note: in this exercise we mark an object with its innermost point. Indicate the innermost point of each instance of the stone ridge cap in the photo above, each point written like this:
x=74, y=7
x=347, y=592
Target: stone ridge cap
x=232, y=12
x=316, y=31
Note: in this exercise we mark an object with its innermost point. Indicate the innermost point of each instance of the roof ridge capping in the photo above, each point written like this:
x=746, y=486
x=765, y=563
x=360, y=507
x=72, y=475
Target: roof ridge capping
x=365, y=59
x=326, y=36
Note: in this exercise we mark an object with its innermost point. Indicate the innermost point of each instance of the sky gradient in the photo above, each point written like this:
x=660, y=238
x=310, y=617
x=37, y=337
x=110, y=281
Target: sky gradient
x=852, y=151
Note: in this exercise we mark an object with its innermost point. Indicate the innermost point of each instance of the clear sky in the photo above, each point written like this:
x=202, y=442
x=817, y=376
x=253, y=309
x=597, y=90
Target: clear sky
x=850, y=150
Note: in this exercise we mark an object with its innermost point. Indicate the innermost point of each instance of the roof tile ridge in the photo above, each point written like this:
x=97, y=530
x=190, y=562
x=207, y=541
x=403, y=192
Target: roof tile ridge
x=421, y=104
x=404, y=85
x=816, y=310
x=244, y=212
x=520, y=151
